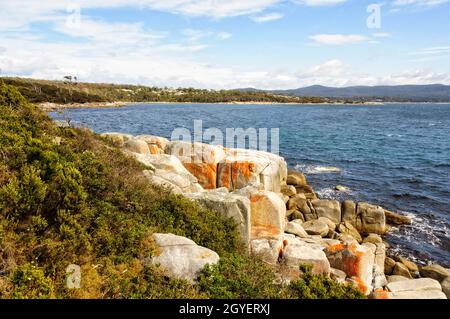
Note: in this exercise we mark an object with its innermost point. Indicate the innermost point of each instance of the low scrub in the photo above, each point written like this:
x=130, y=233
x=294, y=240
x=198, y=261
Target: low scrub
x=68, y=197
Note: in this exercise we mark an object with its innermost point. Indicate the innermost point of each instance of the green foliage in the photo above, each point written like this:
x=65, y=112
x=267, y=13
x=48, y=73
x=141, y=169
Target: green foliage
x=311, y=286
x=239, y=277
x=30, y=282
x=10, y=96
x=39, y=91
x=81, y=201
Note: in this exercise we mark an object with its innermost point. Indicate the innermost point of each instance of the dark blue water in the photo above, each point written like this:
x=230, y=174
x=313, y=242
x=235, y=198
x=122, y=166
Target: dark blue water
x=397, y=156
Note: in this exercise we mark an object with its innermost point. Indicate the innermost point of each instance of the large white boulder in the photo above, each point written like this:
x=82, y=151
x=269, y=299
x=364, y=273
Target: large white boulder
x=182, y=258
x=297, y=253
x=228, y=205
x=414, y=285
x=242, y=167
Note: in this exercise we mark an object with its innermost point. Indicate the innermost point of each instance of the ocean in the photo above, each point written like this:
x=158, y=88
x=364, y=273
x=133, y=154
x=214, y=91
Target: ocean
x=394, y=155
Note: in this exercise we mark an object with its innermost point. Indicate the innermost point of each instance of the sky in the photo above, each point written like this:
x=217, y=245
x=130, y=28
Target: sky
x=224, y=44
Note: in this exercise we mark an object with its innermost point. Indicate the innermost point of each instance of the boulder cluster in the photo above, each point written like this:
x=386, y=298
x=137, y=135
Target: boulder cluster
x=280, y=218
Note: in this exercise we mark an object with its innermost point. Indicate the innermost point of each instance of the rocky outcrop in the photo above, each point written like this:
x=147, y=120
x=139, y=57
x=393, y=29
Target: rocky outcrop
x=423, y=288
x=200, y=160
x=228, y=205
x=356, y=261
x=242, y=167
x=297, y=253
x=435, y=271
x=370, y=219
x=396, y=219
x=330, y=209
x=279, y=217
x=268, y=250
x=180, y=257
x=268, y=213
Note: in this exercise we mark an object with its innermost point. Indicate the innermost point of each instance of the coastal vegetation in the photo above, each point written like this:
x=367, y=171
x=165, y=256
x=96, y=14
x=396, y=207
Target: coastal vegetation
x=63, y=92
x=68, y=196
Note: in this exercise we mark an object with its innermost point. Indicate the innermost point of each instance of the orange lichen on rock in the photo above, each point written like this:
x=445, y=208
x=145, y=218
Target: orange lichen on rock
x=381, y=294
x=154, y=149
x=235, y=174
x=361, y=285
x=335, y=248
x=205, y=173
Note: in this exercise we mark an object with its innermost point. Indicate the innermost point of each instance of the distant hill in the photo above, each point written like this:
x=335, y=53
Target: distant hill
x=414, y=93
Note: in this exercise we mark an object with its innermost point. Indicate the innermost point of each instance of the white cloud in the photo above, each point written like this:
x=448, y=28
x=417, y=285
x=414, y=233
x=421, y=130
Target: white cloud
x=316, y=3
x=381, y=35
x=224, y=35
x=267, y=17
x=420, y=3
x=338, y=39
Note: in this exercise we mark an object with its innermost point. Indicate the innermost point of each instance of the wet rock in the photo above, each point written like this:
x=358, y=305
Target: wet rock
x=396, y=219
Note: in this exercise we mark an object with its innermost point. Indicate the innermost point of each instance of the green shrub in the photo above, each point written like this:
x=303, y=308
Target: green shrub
x=239, y=277
x=30, y=282
x=10, y=96
x=311, y=286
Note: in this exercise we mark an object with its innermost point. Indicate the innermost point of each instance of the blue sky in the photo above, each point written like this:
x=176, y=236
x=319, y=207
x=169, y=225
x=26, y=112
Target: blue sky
x=265, y=44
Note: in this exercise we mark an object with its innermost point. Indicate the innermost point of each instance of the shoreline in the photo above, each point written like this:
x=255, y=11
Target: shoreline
x=47, y=106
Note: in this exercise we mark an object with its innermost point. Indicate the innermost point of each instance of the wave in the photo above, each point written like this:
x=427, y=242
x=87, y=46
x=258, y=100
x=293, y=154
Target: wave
x=317, y=169
x=332, y=193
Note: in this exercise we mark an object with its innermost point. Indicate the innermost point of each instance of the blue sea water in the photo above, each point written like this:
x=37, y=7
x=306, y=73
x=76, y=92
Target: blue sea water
x=394, y=155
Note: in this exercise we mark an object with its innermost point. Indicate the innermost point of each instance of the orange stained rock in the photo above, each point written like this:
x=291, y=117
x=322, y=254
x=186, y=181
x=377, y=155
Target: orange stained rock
x=350, y=262
x=154, y=149
x=205, y=173
x=234, y=171
x=265, y=231
x=335, y=248
x=381, y=294
x=360, y=285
